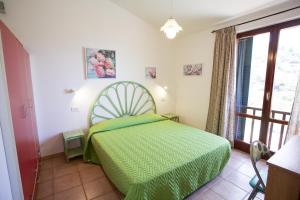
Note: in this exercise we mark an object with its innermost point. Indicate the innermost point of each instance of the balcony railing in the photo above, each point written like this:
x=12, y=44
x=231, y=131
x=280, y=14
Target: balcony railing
x=277, y=127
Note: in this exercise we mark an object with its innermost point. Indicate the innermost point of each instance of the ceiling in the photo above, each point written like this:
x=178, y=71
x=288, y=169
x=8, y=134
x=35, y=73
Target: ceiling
x=193, y=15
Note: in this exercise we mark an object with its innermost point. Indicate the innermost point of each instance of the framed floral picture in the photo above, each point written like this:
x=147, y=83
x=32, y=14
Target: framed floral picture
x=192, y=70
x=100, y=63
x=150, y=72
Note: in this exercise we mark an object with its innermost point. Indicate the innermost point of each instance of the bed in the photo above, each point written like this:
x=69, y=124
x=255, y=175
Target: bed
x=145, y=155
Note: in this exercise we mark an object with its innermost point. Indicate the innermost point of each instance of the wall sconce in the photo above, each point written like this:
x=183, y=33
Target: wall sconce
x=2, y=7
x=69, y=91
x=162, y=92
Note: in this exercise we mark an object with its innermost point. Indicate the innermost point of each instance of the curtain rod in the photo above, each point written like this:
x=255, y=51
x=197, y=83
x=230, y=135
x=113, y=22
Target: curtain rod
x=253, y=20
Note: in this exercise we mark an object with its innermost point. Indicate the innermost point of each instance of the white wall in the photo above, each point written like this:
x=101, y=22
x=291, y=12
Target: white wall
x=5, y=182
x=193, y=93
x=54, y=33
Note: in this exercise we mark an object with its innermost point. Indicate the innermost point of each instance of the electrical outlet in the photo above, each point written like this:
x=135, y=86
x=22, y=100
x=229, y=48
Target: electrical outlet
x=74, y=109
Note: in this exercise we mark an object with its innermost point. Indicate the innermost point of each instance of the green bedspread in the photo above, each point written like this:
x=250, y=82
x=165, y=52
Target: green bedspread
x=154, y=158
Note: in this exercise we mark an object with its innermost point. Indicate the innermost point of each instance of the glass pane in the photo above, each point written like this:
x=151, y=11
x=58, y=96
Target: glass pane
x=258, y=70
x=287, y=69
x=251, y=73
x=286, y=72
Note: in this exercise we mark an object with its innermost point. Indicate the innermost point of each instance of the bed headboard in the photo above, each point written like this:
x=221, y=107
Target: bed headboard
x=124, y=98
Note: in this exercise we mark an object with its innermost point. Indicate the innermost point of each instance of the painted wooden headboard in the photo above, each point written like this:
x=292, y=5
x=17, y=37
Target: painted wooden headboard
x=124, y=98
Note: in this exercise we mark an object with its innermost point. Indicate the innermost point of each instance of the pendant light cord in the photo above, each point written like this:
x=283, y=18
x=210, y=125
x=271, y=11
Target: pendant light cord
x=172, y=8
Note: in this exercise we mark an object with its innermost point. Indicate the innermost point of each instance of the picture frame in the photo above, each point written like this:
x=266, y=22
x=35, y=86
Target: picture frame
x=100, y=63
x=192, y=69
x=150, y=72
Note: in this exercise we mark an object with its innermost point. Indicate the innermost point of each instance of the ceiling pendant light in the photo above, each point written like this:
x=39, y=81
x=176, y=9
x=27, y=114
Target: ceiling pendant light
x=171, y=27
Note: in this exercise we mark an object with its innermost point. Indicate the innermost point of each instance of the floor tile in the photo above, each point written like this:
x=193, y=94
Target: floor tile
x=260, y=196
x=64, y=169
x=228, y=190
x=59, y=160
x=51, y=197
x=66, y=182
x=204, y=188
x=247, y=170
x=75, y=193
x=236, y=152
x=45, y=175
x=235, y=163
x=109, y=196
x=247, y=196
x=206, y=195
x=262, y=165
x=91, y=173
x=240, y=180
x=97, y=187
x=226, y=171
x=76, y=160
x=46, y=164
x=248, y=162
x=44, y=189
x=211, y=183
x=198, y=192
x=239, y=155
x=83, y=165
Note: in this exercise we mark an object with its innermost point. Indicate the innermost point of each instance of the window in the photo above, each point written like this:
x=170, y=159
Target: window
x=268, y=64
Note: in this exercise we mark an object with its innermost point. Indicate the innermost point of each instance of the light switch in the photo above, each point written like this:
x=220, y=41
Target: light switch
x=74, y=109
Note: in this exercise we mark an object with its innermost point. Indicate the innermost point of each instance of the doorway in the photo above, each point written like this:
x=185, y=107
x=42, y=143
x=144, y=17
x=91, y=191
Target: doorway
x=268, y=64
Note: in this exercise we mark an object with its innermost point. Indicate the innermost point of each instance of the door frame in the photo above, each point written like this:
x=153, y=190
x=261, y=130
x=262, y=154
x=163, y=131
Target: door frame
x=8, y=134
x=270, y=71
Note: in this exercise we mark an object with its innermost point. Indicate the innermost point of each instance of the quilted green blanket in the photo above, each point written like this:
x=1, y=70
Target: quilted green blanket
x=149, y=157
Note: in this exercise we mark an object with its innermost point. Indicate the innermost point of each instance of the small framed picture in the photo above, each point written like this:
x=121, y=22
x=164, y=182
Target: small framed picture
x=100, y=63
x=192, y=70
x=150, y=72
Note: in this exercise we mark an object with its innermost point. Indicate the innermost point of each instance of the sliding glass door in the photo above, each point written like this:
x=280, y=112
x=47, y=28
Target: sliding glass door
x=268, y=64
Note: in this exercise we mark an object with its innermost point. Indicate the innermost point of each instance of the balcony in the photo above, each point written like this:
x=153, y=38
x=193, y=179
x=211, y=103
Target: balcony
x=250, y=121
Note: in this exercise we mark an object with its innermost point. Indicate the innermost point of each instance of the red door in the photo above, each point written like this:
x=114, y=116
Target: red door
x=31, y=117
x=20, y=95
x=30, y=101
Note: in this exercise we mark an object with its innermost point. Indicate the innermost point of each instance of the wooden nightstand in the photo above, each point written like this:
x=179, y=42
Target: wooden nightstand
x=171, y=116
x=69, y=136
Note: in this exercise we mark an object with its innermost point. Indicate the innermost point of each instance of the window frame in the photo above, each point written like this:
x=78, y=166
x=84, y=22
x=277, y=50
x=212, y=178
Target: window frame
x=265, y=118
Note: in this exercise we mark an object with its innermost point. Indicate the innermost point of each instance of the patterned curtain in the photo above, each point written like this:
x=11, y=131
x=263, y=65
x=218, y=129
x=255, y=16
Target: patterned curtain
x=221, y=116
x=294, y=124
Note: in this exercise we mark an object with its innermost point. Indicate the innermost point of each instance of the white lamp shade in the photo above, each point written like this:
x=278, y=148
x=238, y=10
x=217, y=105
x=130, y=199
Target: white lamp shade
x=171, y=28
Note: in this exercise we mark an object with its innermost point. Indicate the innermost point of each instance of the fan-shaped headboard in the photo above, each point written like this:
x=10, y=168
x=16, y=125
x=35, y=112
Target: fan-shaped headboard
x=124, y=98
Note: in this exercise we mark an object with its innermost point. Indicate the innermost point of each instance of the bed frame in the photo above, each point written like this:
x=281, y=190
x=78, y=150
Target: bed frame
x=121, y=99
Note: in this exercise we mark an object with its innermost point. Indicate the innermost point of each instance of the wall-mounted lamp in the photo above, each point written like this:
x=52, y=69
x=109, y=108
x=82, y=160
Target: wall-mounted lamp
x=162, y=92
x=69, y=91
x=2, y=7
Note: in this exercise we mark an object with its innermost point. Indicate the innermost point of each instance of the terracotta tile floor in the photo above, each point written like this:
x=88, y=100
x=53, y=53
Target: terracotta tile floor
x=76, y=180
